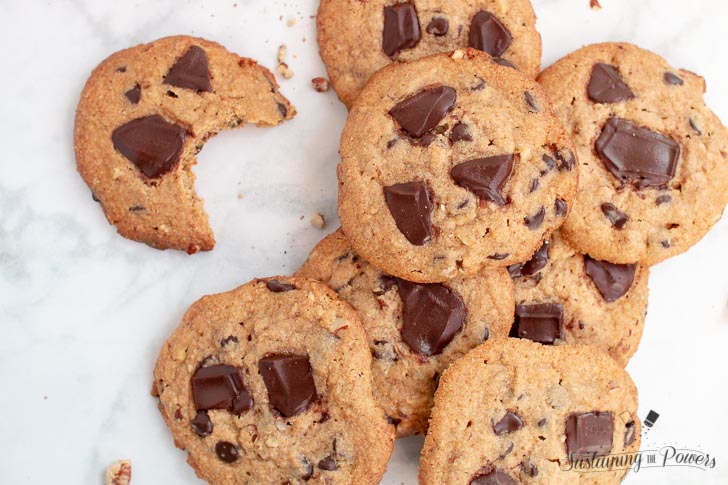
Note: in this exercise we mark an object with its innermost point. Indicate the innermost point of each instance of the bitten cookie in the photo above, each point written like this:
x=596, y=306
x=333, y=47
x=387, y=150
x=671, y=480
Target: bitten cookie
x=563, y=296
x=514, y=411
x=654, y=158
x=357, y=38
x=451, y=164
x=415, y=331
x=143, y=116
x=270, y=383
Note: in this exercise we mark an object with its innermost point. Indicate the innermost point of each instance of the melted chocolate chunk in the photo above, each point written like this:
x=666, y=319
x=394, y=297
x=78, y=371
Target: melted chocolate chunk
x=201, y=424
x=438, y=26
x=629, y=433
x=589, y=434
x=536, y=220
x=615, y=216
x=279, y=286
x=329, y=464
x=401, y=28
x=411, y=208
x=612, y=280
x=488, y=34
x=289, y=381
x=672, y=79
x=134, y=94
x=151, y=143
x=422, y=112
x=226, y=451
x=485, y=177
x=606, y=85
x=537, y=262
x=220, y=387
x=508, y=424
x=431, y=316
x=636, y=155
x=191, y=71
x=503, y=62
x=542, y=322
x=560, y=208
x=493, y=477
x=460, y=132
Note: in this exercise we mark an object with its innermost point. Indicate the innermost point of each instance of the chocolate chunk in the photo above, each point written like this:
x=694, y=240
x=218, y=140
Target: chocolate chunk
x=279, y=286
x=542, y=422
x=630, y=433
x=393, y=421
x=423, y=111
x=503, y=62
x=392, y=142
x=411, y=208
x=508, y=424
x=460, y=132
x=536, y=220
x=401, y=28
x=220, y=387
x=134, y=94
x=589, y=434
x=695, y=127
x=566, y=160
x=533, y=106
x=542, y=322
x=290, y=384
x=226, y=451
x=427, y=140
x=663, y=199
x=534, y=186
x=485, y=177
x=307, y=469
x=607, y=86
x=201, y=424
x=488, y=34
x=537, y=262
x=480, y=85
x=191, y=71
x=438, y=26
x=329, y=464
x=282, y=109
x=529, y=469
x=560, y=208
x=431, y=316
x=550, y=162
x=637, y=155
x=151, y=143
x=665, y=244
x=121, y=69
x=612, y=280
x=493, y=477
x=499, y=256
x=386, y=283
x=228, y=340
x=672, y=79
x=615, y=216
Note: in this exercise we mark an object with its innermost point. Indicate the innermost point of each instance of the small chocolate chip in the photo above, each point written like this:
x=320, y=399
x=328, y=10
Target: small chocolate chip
x=479, y=86
x=228, y=340
x=137, y=208
x=695, y=127
x=503, y=62
x=533, y=106
x=307, y=469
x=226, y=451
x=499, y=256
x=536, y=220
x=460, y=132
x=672, y=79
x=201, y=424
x=665, y=244
x=534, y=186
x=508, y=424
x=279, y=286
x=615, y=216
x=393, y=421
x=542, y=423
x=438, y=26
x=134, y=94
x=121, y=69
x=663, y=199
x=392, y=142
x=630, y=433
x=560, y=208
x=329, y=464
x=427, y=139
x=282, y=109
x=94, y=198
x=529, y=469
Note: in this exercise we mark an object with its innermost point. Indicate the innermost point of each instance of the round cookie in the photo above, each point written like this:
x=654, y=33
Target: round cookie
x=514, y=411
x=414, y=331
x=270, y=383
x=563, y=296
x=145, y=113
x=654, y=158
x=453, y=163
x=357, y=38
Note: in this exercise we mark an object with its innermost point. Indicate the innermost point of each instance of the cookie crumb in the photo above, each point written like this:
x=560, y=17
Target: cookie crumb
x=240, y=196
x=119, y=473
x=320, y=84
x=595, y=4
x=291, y=22
x=283, y=68
x=318, y=221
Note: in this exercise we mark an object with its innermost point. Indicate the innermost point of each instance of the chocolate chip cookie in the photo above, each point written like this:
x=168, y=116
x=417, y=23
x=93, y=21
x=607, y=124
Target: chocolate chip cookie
x=143, y=116
x=357, y=38
x=514, y=411
x=654, y=158
x=451, y=164
x=415, y=331
x=563, y=296
x=270, y=383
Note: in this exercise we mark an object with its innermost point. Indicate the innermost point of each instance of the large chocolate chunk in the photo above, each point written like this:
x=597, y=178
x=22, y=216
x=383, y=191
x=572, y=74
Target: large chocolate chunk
x=191, y=71
x=151, y=143
x=542, y=322
x=220, y=387
x=508, y=424
x=607, y=86
x=612, y=280
x=485, y=177
x=423, y=111
x=537, y=262
x=411, y=209
x=488, y=34
x=637, y=155
x=589, y=434
x=289, y=380
x=401, y=28
x=431, y=316
x=493, y=477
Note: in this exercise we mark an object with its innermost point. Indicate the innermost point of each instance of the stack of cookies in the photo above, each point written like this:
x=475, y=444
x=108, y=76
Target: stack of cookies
x=489, y=282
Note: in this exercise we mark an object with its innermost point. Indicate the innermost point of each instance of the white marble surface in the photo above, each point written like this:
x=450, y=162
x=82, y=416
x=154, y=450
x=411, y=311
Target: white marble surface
x=84, y=311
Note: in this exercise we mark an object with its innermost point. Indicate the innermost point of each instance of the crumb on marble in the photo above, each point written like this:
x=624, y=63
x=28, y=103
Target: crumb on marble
x=291, y=22
x=320, y=84
x=283, y=68
x=119, y=473
x=240, y=196
x=318, y=221
x=595, y=4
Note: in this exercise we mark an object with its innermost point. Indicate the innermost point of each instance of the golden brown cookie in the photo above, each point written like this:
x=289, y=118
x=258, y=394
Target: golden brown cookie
x=145, y=113
x=451, y=164
x=414, y=331
x=654, y=158
x=270, y=383
x=515, y=411
x=357, y=38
